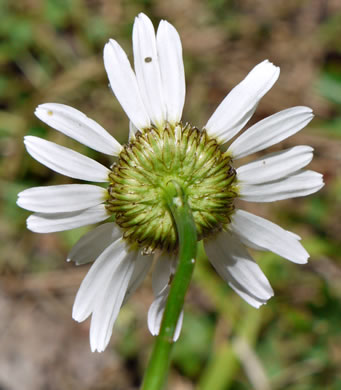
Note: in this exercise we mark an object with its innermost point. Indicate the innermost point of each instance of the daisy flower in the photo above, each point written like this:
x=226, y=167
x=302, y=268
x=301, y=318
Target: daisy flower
x=162, y=148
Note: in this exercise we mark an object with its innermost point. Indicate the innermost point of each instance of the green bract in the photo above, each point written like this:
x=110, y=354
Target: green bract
x=137, y=191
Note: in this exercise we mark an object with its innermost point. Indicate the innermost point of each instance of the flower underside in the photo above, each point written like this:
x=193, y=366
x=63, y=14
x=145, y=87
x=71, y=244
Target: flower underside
x=138, y=181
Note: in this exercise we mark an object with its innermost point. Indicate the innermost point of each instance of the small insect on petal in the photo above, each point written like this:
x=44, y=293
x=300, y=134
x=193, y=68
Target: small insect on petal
x=148, y=59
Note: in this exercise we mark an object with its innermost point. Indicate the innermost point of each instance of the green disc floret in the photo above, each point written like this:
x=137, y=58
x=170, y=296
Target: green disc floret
x=139, y=184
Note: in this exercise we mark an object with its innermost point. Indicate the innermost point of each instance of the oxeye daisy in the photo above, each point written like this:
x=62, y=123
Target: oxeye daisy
x=162, y=149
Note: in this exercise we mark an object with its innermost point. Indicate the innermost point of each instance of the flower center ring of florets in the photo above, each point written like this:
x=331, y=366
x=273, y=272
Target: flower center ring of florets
x=148, y=163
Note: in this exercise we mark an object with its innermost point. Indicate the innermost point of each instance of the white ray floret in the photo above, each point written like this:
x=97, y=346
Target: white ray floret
x=109, y=302
x=98, y=278
x=155, y=315
x=147, y=69
x=252, y=300
x=271, y=131
x=300, y=184
x=78, y=126
x=92, y=244
x=265, y=235
x=124, y=84
x=142, y=267
x=102, y=292
x=57, y=222
x=164, y=268
x=65, y=161
x=161, y=278
x=239, y=105
x=172, y=70
x=238, y=269
x=276, y=165
x=132, y=130
x=61, y=198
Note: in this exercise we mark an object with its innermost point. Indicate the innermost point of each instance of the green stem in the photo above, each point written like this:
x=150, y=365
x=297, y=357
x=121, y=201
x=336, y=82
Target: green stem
x=157, y=368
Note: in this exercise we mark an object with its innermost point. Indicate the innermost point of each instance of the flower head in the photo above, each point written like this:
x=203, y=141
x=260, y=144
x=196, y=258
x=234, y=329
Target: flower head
x=161, y=149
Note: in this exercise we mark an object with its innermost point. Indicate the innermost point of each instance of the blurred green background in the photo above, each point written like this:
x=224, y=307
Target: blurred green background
x=51, y=51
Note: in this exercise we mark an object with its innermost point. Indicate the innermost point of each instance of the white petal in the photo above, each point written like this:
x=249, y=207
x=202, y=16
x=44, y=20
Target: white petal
x=98, y=278
x=109, y=303
x=236, y=266
x=239, y=105
x=124, y=85
x=164, y=268
x=294, y=235
x=93, y=243
x=61, y=198
x=268, y=236
x=78, y=126
x=132, y=130
x=301, y=184
x=65, y=161
x=155, y=315
x=56, y=222
x=102, y=291
x=172, y=70
x=142, y=266
x=249, y=298
x=271, y=131
x=275, y=166
x=147, y=69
